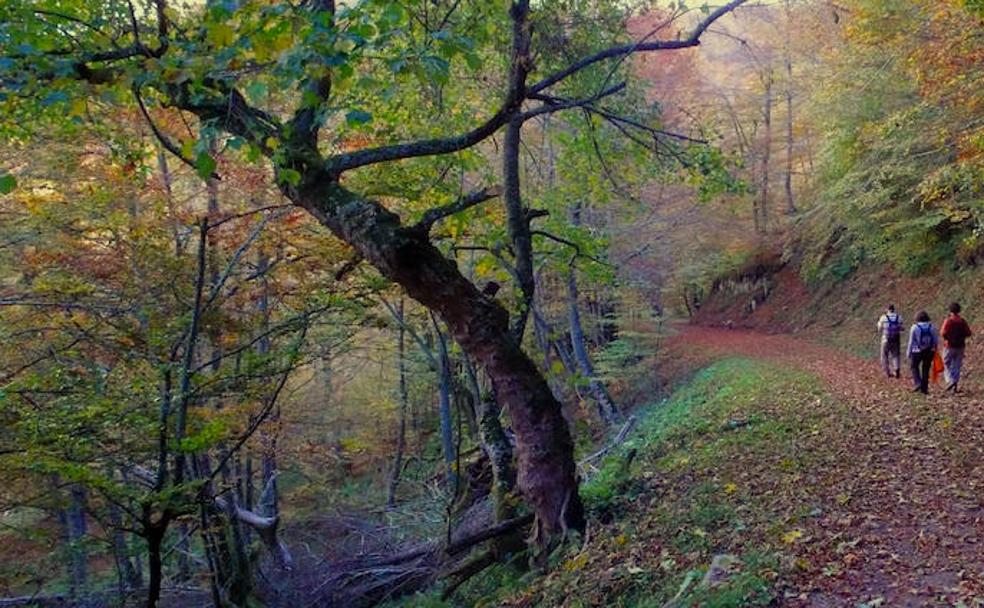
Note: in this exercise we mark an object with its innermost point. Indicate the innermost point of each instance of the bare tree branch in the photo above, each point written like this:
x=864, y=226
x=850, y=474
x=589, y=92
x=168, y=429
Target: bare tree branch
x=169, y=145
x=432, y=216
x=627, y=49
x=558, y=104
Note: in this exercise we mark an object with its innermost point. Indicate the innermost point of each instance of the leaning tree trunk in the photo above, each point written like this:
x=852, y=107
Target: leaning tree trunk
x=545, y=449
x=607, y=409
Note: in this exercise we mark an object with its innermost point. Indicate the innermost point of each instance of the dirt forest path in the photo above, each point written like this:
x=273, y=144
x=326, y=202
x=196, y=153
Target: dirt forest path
x=901, y=521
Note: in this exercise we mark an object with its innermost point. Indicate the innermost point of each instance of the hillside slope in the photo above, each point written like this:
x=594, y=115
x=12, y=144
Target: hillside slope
x=797, y=471
x=840, y=313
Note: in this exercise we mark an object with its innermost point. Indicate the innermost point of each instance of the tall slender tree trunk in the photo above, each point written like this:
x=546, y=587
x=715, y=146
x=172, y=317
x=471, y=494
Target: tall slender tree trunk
x=519, y=226
x=606, y=407
x=444, y=401
x=183, y=550
x=763, y=224
x=155, y=541
x=121, y=551
x=790, y=203
x=270, y=437
x=327, y=373
x=545, y=448
x=404, y=397
x=75, y=533
x=607, y=410
x=553, y=344
x=169, y=200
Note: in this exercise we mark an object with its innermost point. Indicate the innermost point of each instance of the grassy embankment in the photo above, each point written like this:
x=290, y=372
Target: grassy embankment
x=717, y=469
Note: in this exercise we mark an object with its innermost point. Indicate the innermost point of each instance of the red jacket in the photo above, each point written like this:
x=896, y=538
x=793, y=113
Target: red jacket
x=955, y=331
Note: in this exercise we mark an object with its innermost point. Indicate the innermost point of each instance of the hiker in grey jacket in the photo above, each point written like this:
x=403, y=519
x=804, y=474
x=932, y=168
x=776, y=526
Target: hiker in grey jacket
x=923, y=342
x=890, y=330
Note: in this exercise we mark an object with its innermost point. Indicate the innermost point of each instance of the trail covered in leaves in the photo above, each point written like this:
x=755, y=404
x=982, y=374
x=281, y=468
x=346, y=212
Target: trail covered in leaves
x=897, y=515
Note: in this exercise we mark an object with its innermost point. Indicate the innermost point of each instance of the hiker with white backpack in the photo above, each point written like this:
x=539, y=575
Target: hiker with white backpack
x=923, y=342
x=890, y=330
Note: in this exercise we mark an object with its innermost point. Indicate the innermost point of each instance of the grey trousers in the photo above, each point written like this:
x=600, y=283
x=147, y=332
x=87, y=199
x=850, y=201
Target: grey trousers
x=952, y=362
x=890, y=348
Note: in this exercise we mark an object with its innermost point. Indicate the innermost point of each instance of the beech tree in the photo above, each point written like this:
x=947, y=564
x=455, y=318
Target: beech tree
x=321, y=92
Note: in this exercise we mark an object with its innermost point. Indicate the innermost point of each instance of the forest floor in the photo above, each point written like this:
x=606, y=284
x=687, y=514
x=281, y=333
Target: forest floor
x=905, y=498
x=825, y=483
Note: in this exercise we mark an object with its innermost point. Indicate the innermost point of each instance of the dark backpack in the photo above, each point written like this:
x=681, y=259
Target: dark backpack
x=893, y=326
x=925, y=340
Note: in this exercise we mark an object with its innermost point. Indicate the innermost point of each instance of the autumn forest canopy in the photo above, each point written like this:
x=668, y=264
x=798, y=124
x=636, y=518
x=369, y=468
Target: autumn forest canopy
x=368, y=302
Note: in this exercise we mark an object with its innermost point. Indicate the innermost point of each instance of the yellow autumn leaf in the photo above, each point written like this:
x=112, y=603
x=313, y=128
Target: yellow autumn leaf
x=792, y=536
x=77, y=108
x=576, y=563
x=730, y=488
x=221, y=34
x=484, y=266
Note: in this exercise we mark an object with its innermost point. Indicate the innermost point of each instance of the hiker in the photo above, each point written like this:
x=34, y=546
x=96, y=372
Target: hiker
x=921, y=350
x=954, y=332
x=890, y=329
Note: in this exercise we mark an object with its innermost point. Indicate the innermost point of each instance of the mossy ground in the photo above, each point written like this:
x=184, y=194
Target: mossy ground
x=716, y=469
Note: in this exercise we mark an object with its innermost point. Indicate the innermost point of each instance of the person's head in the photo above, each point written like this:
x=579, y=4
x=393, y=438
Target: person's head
x=891, y=308
x=922, y=317
x=955, y=308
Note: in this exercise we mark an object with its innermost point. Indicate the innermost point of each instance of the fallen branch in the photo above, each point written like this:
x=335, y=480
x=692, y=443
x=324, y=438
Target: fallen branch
x=620, y=438
x=468, y=570
x=265, y=527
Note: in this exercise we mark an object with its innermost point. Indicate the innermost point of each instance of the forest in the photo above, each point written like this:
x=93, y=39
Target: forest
x=437, y=303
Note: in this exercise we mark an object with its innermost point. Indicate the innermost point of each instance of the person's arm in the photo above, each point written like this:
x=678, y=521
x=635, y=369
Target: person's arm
x=912, y=340
x=881, y=324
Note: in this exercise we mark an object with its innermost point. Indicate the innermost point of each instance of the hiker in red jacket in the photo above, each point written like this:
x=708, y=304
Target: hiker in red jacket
x=954, y=332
